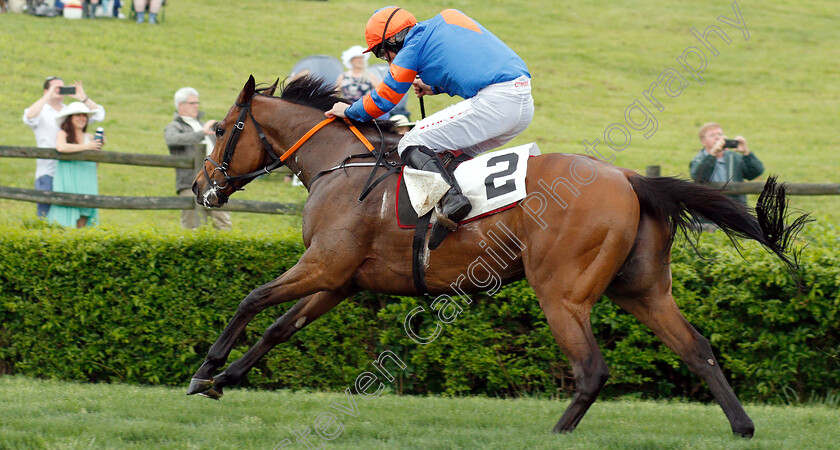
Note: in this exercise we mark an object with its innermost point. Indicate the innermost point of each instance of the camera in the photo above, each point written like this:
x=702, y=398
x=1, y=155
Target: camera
x=67, y=90
x=730, y=143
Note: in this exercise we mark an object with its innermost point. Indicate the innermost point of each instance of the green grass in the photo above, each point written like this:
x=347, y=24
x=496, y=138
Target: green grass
x=589, y=60
x=53, y=414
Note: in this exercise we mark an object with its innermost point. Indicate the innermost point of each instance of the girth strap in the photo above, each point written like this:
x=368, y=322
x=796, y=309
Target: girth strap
x=418, y=246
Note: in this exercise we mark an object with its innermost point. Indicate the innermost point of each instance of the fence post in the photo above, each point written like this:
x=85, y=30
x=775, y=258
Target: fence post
x=198, y=163
x=652, y=171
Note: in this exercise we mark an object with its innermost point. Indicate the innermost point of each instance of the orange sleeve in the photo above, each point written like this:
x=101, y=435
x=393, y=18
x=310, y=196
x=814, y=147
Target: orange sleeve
x=389, y=94
x=402, y=75
x=370, y=107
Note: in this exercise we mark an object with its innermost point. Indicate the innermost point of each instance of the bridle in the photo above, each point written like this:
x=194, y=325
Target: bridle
x=222, y=168
x=276, y=161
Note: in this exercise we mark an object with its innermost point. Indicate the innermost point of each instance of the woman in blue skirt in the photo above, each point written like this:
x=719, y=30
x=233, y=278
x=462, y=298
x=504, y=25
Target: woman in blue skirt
x=75, y=177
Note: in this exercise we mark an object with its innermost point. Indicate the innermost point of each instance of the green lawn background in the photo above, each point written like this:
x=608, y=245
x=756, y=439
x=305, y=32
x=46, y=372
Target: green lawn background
x=589, y=62
x=55, y=414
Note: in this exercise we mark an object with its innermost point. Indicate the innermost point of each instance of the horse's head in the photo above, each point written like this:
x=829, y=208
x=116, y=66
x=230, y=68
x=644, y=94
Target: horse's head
x=262, y=132
x=243, y=151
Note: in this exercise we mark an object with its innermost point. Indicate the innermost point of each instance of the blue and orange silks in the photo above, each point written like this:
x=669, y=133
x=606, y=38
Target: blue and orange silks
x=450, y=52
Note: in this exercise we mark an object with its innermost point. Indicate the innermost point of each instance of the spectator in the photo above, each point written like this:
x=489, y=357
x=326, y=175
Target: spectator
x=115, y=9
x=187, y=135
x=140, y=10
x=89, y=8
x=453, y=54
x=715, y=163
x=3, y=7
x=401, y=124
x=41, y=117
x=358, y=80
x=75, y=177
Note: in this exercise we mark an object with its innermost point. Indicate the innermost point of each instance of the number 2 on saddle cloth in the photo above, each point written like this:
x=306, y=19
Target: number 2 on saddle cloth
x=493, y=182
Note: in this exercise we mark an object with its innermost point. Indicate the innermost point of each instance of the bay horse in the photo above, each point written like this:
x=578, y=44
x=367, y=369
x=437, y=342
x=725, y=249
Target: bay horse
x=612, y=236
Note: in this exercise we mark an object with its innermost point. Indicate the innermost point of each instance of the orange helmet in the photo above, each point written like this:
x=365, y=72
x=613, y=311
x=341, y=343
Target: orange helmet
x=385, y=23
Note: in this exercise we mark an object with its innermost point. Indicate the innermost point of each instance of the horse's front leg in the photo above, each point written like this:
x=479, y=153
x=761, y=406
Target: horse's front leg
x=296, y=318
x=305, y=278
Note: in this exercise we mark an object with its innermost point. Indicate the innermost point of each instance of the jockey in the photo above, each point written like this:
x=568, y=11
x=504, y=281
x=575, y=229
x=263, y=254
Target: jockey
x=453, y=54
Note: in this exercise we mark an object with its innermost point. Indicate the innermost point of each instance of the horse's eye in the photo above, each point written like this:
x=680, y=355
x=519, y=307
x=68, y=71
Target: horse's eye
x=219, y=131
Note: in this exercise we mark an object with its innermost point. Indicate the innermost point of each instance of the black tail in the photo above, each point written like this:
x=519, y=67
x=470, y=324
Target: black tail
x=677, y=201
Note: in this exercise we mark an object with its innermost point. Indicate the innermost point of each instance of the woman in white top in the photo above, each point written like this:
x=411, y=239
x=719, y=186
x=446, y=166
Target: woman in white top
x=75, y=177
x=358, y=81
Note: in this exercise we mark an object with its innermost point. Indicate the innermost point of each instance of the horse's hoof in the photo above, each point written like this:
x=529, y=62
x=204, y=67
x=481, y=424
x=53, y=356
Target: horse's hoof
x=204, y=388
x=745, y=433
x=214, y=393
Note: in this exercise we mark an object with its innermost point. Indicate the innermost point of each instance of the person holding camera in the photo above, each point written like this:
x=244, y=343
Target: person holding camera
x=41, y=117
x=715, y=162
x=76, y=177
x=188, y=135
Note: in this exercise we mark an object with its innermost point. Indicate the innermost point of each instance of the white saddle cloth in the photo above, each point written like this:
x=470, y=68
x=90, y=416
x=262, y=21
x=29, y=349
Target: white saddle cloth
x=490, y=181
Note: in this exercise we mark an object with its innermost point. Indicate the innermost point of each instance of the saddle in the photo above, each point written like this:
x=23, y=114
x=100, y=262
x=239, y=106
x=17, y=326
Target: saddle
x=406, y=215
x=493, y=182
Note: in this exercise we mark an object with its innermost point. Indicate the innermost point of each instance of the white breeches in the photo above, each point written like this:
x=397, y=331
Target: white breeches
x=496, y=115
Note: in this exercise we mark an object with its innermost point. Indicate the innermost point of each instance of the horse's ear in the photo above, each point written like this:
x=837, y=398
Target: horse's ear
x=273, y=87
x=247, y=91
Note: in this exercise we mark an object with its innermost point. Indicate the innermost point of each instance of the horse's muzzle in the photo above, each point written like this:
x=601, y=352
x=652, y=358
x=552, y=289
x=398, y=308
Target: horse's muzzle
x=208, y=195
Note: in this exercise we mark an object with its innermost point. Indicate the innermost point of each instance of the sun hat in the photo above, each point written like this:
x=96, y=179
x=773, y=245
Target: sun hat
x=353, y=52
x=73, y=109
x=401, y=121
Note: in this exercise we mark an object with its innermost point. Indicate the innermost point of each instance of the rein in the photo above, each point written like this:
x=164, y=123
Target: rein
x=380, y=162
x=276, y=161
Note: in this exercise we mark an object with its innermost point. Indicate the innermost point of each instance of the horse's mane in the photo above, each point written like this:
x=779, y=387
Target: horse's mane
x=312, y=90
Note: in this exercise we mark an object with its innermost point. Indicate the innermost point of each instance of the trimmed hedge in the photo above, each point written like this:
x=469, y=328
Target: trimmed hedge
x=143, y=306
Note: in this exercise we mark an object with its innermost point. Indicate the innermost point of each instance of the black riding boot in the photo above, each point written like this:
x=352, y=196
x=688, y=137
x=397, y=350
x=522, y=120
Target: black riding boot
x=454, y=205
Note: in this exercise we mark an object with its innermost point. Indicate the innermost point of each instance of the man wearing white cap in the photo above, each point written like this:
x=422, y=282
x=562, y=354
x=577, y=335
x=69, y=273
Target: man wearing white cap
x=41, y=117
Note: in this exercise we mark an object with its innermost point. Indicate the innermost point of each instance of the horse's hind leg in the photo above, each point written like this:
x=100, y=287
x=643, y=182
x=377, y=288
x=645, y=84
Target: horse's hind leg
x=296, y=318
x=572, y=331
x=644, y=290
x=567, y=289
x=659, y=312
x=569, y=274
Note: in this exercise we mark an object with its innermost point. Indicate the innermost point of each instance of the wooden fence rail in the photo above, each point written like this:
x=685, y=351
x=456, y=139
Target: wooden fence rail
x=186, y=162
x=126, y=202
x=133, y=159
x=792, y=188
x=756, y=187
